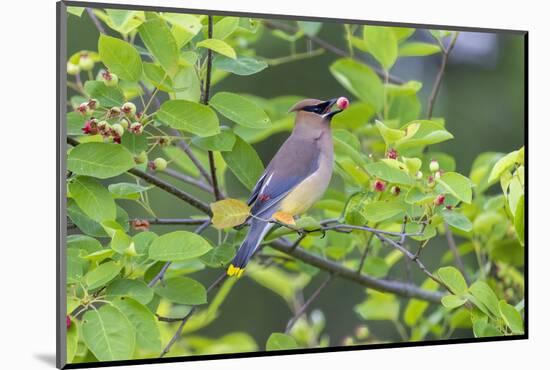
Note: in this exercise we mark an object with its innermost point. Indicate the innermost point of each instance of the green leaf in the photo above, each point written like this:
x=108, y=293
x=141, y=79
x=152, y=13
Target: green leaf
x=101, y=160
x=280, y=341
x=457, y=185
x=421, y=133
x=120, y=242
x=384, y=171
x=503, y=164
x=126, y=190
x=415, y=308
x=310, y=28
x=360, y=80
x=72, y=340
x=379, y=306
x=75, y=123
x=134, y=143
x=108, y=334
x=383, y=210
x=75, y=10
x=178, y=246
x=185, y=26
x=93, y=198
x=120, y=57
x=241, y=66
x=240, y=109
x=158, y=39
x=457, y=219
x=219, y=256
x=193, y=117
x=483, y=329
x=182, y=290
x=222, y=142
x=229, y=213
x=158, y=77
x=145, y=324
x=102, y=274
x=382, y=44
x=84, y=242
x=219, y=46
x=225, y=27
x=453, y=279
x=108, y=96
x=376, y=267
x=389, y=135
x=483, y=292
x=452, y=301
x=187, y=85
x=519, y=221
x=511, y=317
x=244, y=162
x=418, y=49
x=135, y=289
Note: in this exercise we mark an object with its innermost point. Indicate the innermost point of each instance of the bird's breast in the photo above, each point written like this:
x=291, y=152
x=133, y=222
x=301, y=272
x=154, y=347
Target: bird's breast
x=309, y=191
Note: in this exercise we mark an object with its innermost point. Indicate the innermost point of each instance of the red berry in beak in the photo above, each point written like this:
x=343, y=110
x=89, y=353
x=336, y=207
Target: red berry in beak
x=342, y=102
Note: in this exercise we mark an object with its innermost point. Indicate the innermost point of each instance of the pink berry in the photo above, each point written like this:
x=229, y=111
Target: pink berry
x=379, y=185
x=342, y=102
x=439, y=200
x=68, y=321
x=392, y=154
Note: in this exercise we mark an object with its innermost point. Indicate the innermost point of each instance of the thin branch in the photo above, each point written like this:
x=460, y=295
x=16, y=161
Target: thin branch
x=188, y=179
x=205, y=98
x=169, y=188
x=174, y=221
x=184, y=319
x=328, y=46
x=454, y=250
x=305, y=306
x=439, y=77
x=364, y=255
x=96, y=21
x=187, y=150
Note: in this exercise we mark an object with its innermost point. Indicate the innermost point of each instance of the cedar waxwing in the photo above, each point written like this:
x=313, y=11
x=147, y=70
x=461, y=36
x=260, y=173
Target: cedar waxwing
x=296, y=177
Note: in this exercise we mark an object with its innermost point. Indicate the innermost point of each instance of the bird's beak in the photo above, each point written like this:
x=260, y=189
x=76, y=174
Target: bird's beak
x=327, y=112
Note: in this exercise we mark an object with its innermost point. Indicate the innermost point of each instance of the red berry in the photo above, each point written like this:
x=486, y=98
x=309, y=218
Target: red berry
x=379, y=185
x=342, y=102
x=90, y=127
x=449, y=207
x=439, y=200
x=68, y=321
x=83, y=109
x=392, y=154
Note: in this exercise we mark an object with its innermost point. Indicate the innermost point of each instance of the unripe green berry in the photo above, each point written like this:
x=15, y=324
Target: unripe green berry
x=129, y=108
x=124, y=123
x=85, y=62
x=160, y=164
x=117, y=127
x=419, y=175
x=72, y=69
x=109, y=79
x=362, y=332
x=141, y=158
x=434, y=165
x=437, y=174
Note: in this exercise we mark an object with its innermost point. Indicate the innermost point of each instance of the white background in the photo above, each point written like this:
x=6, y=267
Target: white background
x=27, y=196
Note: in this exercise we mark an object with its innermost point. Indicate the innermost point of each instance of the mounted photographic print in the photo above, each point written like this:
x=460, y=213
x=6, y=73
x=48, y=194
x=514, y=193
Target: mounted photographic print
x=236, y=184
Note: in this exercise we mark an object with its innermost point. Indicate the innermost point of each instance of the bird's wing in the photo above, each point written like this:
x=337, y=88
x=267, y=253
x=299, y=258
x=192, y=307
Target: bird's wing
x=296, y=160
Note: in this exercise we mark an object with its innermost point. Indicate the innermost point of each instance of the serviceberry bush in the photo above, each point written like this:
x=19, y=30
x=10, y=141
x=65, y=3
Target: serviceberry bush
x=146, y=116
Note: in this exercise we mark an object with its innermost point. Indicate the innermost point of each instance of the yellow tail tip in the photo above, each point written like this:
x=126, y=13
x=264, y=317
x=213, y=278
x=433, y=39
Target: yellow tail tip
x=234, y=271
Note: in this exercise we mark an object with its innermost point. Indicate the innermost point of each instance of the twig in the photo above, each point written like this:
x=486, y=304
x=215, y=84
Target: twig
x=364, y=255
x=305, y=306
x=439, y=77
x=454, y=250
x=173, y=221
x=329, y=47
x=96, y=21
x=169, y=188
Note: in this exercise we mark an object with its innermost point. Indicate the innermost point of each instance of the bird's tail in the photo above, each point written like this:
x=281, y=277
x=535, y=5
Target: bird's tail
x=256, y=233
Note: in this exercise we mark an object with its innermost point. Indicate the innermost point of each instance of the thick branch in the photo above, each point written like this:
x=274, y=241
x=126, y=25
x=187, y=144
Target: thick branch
x=397, y=287
x=205, y=99
x=329, y=47
x=439, y=77
x=169, y=188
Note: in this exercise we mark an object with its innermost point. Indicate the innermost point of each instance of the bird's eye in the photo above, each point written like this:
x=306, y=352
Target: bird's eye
x=314, y=109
